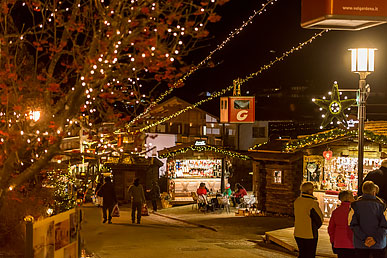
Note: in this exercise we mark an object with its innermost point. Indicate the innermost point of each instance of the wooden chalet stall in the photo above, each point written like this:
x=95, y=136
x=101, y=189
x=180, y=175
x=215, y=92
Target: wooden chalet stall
x=188, y=165
x=328, y=159
x=126, y=168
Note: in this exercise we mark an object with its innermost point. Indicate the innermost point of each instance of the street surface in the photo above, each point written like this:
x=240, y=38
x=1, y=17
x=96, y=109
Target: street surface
x=160, y=236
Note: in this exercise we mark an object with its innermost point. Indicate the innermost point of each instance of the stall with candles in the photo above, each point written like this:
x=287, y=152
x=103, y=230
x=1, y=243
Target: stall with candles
x=190, y=164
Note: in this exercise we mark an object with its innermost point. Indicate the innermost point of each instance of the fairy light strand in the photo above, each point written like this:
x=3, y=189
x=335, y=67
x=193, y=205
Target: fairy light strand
x=195, y=68
x=242, y=81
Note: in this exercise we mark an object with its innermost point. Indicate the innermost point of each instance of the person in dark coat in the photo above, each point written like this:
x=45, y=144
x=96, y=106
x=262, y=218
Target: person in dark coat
x=155, y=194
x=109, y=199
x=137, y=197
x=379, y=177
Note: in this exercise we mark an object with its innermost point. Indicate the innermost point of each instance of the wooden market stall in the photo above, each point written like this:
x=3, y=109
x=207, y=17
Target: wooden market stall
x=126, y=168
x=328, y=159
x=190, y=164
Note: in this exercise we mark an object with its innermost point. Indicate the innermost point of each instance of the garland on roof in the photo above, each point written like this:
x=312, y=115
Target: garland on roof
x=331, y=135
x=204, y=148
x=256, y=146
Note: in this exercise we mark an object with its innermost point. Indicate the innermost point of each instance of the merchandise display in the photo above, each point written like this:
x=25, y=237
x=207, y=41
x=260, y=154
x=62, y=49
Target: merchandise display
x=337, y=173
x=190, y=168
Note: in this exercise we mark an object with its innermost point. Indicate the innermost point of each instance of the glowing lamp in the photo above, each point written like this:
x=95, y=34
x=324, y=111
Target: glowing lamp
x=362, y=59
x=35, y=115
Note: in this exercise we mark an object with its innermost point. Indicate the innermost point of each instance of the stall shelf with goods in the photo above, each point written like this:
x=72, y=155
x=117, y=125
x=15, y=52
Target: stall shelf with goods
x=189, y=165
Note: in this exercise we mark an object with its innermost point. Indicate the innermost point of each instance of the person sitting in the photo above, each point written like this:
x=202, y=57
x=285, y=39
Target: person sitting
x=238, y=194
x=202, y=195
x=227, y=192
x=202, y=189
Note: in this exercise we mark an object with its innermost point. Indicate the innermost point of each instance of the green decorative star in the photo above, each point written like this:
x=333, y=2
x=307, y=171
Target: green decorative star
x=335, y=106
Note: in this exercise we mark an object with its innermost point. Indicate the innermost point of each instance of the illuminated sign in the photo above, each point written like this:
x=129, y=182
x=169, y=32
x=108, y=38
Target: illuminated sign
x=200, y=143
x=343, y=14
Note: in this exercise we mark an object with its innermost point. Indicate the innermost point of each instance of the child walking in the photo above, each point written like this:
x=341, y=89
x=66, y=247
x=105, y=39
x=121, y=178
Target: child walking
x=340, y=233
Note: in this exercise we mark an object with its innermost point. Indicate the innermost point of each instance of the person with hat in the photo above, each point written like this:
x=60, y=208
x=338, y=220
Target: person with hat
x=227, y=192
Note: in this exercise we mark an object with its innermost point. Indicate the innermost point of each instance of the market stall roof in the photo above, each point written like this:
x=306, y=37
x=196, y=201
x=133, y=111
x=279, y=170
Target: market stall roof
x=376, y=131
x=129, y=160
x=183, y=148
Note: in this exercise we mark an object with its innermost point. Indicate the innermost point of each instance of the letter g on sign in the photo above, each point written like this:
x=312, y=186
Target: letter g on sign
x=242, y=115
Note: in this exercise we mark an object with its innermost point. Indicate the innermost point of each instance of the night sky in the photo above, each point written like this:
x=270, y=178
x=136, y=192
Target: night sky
x=314, y=68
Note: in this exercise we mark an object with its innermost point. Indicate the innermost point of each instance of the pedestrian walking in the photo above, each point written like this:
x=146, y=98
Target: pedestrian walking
x=98, y=196
x=379, y=177
x=367, y=219
x=109, y=199
x=155, y=195
x=308, y=219
x=137, y=197
x=340, y=234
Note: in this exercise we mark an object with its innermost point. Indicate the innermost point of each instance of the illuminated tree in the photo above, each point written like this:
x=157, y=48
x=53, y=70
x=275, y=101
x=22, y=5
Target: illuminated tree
x=85, y=62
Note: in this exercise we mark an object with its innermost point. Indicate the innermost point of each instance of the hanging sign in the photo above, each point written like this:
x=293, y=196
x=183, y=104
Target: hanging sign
x=343, y=14
x=237, y=109
x=327, y=155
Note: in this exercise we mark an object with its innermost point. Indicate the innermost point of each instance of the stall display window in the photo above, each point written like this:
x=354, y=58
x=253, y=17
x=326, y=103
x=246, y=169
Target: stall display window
x=195, y=168
x=341, y=172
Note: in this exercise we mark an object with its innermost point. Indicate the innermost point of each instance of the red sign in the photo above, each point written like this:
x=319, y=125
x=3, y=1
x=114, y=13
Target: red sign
x=241, y=109
x=343, y=14
x=327, y=155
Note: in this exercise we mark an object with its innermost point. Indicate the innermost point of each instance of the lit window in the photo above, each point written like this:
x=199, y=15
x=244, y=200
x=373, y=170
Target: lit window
x=277, y=176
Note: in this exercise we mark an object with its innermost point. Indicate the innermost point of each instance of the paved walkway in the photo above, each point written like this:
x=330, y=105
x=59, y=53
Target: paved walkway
x=159, y=236
x=284, y=237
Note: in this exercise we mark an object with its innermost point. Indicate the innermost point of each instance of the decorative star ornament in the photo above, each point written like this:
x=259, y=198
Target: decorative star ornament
x=334, y=107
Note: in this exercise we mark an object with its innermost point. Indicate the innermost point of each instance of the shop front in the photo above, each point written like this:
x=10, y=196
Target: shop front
x=189, y=165
x=185, y=175
x=328, y=159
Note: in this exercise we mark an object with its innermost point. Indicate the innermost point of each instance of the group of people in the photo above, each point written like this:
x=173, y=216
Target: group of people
x=236, y=196
x=136, y=195
x=357, y=228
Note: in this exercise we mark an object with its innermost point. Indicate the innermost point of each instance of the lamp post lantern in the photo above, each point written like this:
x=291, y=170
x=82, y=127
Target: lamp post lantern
x=362, y=63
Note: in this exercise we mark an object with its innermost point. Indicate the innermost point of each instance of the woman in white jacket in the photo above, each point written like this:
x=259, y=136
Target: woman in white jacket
x=308, y=219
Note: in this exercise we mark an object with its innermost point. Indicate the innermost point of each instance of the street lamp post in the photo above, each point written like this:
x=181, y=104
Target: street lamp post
x=362, y=63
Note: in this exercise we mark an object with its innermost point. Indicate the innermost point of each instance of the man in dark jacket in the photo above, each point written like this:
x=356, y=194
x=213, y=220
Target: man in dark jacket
x=109, y=199
x=379, y=177
x=367, y=219
x=155, y=194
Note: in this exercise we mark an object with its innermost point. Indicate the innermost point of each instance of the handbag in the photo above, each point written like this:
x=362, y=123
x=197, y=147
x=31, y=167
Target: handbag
x=144, y=210
x=116, y=211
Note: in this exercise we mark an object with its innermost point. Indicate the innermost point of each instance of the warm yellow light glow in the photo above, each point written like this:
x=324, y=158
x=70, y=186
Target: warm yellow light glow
x=362, y=59
x=35, y=115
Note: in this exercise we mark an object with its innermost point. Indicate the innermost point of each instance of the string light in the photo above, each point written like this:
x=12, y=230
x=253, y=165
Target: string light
x=193, y=69
x=242, y=81
x=333, y=134
x=204, y=148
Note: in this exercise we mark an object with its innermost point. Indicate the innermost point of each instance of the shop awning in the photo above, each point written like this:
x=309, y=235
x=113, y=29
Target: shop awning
x=173, y=151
